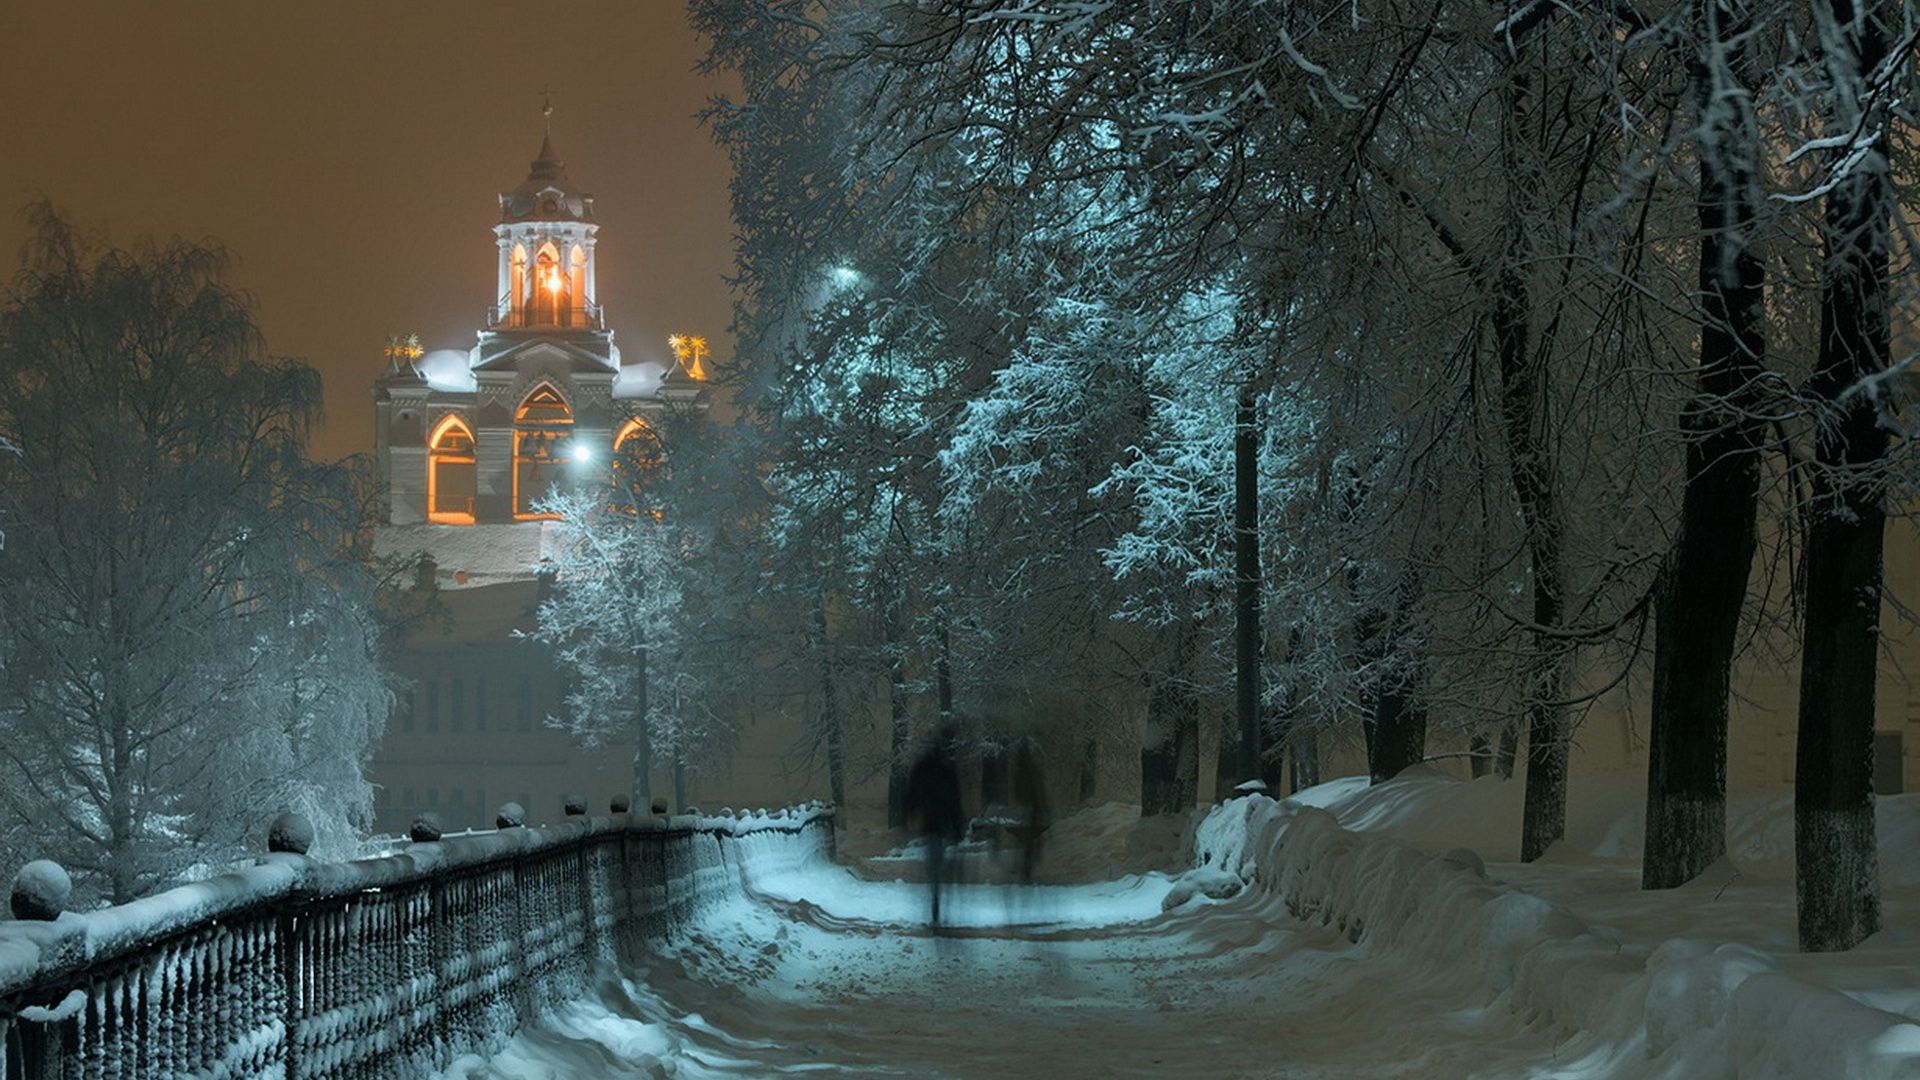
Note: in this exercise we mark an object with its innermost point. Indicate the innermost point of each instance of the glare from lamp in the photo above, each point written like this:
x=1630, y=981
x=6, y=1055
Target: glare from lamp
x=582, y=453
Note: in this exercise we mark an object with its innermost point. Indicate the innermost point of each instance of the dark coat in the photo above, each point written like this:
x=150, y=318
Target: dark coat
x=933, y=795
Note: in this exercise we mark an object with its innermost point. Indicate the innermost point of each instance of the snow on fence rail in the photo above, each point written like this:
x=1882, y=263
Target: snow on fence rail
x=389, y=966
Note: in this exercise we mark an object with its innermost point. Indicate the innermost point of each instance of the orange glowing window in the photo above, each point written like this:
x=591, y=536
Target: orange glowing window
x=544, y=406
x=540, y=437
x=452, y=478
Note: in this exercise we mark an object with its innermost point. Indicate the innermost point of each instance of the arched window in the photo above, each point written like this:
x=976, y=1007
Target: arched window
x=541, y=429
x=450, y=473
x=549, y=286
x=577, y=281
x=517, y=287
x=638, y=458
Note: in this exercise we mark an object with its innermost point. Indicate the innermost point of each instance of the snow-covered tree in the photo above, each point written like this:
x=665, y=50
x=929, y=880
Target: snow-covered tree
x=630, y=612
x=187, y=645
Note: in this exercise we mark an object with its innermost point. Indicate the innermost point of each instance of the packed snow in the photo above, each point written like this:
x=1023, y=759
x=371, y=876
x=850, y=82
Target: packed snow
x=1351, y=931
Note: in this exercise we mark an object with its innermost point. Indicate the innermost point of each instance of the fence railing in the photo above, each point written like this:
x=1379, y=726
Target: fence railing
x=391, y=966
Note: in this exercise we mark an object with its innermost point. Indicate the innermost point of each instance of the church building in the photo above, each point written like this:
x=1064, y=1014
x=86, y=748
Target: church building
x=478, y=436
x=468, y=442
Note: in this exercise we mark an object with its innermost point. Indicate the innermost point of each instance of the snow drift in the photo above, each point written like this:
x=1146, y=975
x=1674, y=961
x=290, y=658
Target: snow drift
x=1690, y=1008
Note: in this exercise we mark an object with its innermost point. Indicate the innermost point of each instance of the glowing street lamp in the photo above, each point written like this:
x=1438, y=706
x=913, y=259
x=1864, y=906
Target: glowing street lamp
x=581, y=453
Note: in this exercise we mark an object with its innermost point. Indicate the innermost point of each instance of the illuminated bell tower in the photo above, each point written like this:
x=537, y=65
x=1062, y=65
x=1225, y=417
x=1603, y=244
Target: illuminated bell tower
x=546, y=241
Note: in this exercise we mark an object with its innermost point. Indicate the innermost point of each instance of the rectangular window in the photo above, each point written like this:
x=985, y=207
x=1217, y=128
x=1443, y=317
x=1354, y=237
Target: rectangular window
x=480, y=703
x=433, y=796
x=459, y=693
x=526, y=703
x=406, y=706
x=410, y=804
x=433, y=705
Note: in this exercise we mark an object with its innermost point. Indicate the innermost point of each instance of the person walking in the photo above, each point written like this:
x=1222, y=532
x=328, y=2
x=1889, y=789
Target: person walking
x=1030, y=802
x=933, y=805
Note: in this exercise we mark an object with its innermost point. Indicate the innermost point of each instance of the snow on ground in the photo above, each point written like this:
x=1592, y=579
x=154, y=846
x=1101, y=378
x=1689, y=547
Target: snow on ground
x=1237, y=989
x=1747, y=899
x=1298, y=949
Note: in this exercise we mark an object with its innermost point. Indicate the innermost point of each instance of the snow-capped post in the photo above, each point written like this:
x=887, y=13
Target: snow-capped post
x=575, y=805
x=290, y=833
x=620, y=804
x=511, y=815
x=425, y=828
x=40, y=891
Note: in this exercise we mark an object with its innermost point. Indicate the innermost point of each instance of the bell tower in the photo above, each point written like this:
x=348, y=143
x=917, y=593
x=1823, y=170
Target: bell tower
x=546, y=241
x=483, y=436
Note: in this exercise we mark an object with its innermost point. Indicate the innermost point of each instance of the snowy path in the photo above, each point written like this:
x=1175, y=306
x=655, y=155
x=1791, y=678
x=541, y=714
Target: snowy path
x=829, y=974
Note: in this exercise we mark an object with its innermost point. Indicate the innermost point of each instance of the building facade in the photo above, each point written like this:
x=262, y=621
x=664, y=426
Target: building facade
x=467, y=444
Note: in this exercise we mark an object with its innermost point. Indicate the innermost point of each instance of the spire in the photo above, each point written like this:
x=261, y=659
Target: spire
x=548, y=165
x=547, y=194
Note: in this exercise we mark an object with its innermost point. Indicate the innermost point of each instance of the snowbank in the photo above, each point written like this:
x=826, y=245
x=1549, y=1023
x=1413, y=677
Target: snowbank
x=1692, y=1008
x=1606, y=819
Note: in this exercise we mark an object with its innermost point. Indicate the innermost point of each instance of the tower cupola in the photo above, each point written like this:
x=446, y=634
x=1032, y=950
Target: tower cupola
x=546, y=241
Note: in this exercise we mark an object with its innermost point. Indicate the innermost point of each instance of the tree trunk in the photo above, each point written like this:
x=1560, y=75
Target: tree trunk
x=122, y=852
x=1246, y=595
x=829, y=730
x=1530, y=469
x=899, y=749
x=943, y=676
x=1170, y=751
x=1704, y=584
x=1089, y=785
x=899, y=731
x=1226, y=763
x=1836, y=863
x=1306, y=759
x=642, y=737
x=1278, y=734
x=1398, y=736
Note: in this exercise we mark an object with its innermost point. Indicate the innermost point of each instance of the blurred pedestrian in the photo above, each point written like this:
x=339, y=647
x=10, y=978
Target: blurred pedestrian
x=1030, y=806
x=933, y=804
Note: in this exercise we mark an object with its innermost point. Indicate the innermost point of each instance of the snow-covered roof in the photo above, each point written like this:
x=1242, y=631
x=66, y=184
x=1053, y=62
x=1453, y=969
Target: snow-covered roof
x=449, y=369
x=641, y=380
